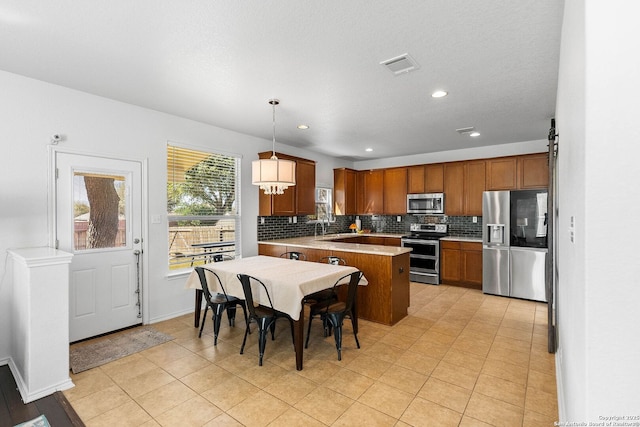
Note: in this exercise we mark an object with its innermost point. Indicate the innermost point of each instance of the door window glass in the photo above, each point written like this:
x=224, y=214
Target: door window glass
x=99, y=211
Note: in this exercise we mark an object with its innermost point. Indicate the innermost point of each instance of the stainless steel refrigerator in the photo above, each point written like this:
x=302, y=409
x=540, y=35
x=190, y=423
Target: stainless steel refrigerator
x=514, y=243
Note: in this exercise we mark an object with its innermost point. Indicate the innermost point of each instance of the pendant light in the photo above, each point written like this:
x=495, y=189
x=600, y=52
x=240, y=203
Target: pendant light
x=273, y=175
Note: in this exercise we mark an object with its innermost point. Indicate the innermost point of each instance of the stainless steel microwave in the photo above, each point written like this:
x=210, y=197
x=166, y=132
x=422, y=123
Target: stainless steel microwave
x=425, y=204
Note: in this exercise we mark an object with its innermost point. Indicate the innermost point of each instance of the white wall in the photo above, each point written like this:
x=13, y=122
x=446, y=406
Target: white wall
x=598, y=93
x=32, y=111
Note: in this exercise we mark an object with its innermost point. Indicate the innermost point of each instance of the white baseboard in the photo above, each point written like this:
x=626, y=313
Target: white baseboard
x=560, y=388
x=170, y=316
x=31, y=395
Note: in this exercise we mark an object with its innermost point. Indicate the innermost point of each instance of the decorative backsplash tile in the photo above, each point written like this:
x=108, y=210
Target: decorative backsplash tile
x=282, y=227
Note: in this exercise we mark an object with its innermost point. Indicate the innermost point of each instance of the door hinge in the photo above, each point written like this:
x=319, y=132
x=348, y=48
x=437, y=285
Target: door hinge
x=57, y=174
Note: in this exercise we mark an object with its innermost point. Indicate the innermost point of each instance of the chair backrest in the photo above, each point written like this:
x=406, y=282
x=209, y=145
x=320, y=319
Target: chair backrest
x=352, y=290
x=246, y=280
x=222, y=257
x=202, y=275
x=334, y=260
x=294, y=255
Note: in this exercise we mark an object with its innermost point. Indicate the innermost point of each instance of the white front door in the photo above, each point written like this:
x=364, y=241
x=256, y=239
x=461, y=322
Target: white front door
x=99, y=220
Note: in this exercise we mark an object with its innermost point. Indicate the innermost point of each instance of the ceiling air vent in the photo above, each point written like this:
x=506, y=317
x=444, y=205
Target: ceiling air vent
x=401, y=64
x=463, y=131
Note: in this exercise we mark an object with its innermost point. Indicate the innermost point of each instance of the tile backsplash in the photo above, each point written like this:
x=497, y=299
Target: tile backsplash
x=282, y=227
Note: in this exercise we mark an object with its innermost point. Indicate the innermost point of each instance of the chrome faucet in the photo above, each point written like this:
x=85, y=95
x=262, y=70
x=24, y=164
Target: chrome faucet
x=315, y=231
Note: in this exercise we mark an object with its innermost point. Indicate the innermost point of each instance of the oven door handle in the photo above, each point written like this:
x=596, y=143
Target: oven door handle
x=421, y=242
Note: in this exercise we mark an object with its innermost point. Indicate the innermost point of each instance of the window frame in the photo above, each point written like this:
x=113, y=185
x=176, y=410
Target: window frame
x=194, y=257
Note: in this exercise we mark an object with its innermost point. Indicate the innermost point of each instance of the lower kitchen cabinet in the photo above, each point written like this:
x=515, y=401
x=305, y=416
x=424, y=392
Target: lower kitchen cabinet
x=461, y=263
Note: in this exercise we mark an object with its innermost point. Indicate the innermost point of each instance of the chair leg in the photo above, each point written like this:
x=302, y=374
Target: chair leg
x=204, y=318
x=244, y=340
x=264, y=325
x=336, y=320
x=231, y=314
x=354, y=324
x=272, y=327
x=243, y=304
x=217, y=319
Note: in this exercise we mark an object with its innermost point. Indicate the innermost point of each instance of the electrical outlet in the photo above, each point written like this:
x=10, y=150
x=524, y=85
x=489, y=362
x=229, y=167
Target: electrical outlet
x=475, y=219
x=399, y=218
x=295, y=219
x=262, y=220
x=290, y=220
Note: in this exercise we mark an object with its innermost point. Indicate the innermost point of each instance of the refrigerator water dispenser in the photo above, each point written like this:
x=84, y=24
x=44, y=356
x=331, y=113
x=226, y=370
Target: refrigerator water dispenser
x=495, y=234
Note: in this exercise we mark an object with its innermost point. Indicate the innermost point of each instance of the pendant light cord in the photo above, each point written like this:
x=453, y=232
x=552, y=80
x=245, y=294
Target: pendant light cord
x=273, y=103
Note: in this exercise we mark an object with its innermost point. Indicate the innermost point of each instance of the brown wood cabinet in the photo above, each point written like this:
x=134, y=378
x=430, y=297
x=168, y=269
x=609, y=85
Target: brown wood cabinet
x=474, y=186
x=425, y=178
x=461, y=263
x=395, y=191
x=383, y=191
x=344, y=191
x=528, y=171
x=434, y=178
x=449, y=262
x=502, y=173
x=454, y=188
x=416, y=179
x=372, y=182
x=463, y=187
x=296, y=200
x=533, y=171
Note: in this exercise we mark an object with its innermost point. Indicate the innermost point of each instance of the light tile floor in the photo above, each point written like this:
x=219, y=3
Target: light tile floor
x=461, y=358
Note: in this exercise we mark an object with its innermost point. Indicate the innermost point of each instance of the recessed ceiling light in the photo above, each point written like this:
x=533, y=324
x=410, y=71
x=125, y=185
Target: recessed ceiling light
x=439, y=94
x=303, y=127
x=368, y=149
x=474, y=134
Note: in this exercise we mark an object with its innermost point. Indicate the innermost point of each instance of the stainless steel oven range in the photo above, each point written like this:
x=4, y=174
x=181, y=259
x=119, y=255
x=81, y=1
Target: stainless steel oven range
x=424, y=259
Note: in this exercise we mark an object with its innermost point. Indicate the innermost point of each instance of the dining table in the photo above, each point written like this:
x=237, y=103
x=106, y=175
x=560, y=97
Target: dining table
x=288, y=282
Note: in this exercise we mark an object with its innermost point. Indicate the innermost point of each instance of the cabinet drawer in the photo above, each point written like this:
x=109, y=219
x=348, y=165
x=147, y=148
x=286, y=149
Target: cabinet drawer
x=449, y=244
x=471, y=246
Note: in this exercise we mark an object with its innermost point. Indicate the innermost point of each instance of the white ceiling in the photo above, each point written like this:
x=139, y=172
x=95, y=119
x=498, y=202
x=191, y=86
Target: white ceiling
x=220, y=61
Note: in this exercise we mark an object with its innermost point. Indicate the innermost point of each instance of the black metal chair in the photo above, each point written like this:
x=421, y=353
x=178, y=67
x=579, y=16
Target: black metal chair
x=264, y=315
x=294, y=255
x=334, y=313
x=325, y=294
x=334, y=260
x=219, y=302
x=221, y=257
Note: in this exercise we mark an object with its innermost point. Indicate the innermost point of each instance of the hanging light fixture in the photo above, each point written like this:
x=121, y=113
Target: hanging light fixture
x=273, y=175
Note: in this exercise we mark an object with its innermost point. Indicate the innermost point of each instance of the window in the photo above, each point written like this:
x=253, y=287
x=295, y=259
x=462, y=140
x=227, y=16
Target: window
x=202, y=206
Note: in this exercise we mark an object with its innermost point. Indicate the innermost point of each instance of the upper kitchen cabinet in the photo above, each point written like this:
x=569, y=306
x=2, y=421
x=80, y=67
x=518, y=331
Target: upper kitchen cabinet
x=395, y=191
x=454, y=188
x=296, y=200
x=464, y=183
x=369, y=191
x=416, y=179
x=533, y=171
x=518, y=172
x=434, y=178
x=474, y=186
x=425, y=179
x=344, y=190
x=502, y=173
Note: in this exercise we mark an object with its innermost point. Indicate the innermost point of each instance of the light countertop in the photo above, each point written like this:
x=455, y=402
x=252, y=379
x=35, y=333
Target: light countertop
x=463, y=239
x=326, y=243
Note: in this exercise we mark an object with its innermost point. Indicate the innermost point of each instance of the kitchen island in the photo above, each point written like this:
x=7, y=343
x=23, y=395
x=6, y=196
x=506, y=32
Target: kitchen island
x=386, y=298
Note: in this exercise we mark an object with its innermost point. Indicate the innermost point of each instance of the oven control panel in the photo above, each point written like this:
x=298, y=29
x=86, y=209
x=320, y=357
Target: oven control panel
x=429, y=228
